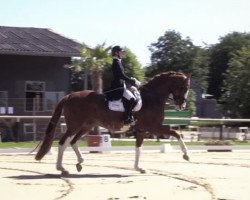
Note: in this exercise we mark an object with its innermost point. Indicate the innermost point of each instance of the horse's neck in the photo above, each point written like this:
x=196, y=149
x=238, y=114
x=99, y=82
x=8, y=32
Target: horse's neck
x=151, y=97
x=156, y=93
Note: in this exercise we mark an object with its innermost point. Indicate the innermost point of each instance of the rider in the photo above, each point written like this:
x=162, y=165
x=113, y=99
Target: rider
x=119, y=82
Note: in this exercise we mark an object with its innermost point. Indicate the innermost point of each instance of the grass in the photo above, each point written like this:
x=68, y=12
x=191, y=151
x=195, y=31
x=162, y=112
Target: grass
x=114, y=143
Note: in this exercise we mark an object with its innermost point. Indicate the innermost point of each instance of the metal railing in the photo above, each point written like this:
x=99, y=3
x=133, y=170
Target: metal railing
x=16, y=120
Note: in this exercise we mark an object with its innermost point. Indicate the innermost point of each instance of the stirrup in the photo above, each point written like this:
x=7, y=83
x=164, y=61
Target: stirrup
x=129, y=120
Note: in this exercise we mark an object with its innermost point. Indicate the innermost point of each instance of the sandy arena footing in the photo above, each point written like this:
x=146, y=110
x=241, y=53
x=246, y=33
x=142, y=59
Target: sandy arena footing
x=110, y=176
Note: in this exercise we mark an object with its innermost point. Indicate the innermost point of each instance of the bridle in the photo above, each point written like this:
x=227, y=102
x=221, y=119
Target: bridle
x=177, y=98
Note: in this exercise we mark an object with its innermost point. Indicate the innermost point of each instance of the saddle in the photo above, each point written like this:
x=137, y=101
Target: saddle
x=117, y=105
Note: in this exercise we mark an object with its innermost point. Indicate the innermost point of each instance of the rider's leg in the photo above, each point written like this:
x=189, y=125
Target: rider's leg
x=128, y=102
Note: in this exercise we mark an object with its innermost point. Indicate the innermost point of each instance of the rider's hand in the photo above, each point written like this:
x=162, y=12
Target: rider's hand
x=137, y=83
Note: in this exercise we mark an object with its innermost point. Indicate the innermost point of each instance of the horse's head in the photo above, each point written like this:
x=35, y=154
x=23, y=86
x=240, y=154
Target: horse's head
x=170, y=83
x=180, y=92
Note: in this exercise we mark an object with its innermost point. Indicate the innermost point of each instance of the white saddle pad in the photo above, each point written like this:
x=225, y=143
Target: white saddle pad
x=118, y=106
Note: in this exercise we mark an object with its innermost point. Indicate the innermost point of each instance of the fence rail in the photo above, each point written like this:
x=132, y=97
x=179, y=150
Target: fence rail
x=194, y=119
x=25, y=117
x=18, y=127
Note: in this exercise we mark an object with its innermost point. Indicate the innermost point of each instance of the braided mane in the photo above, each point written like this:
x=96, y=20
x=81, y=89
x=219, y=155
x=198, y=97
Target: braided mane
x=160, y=79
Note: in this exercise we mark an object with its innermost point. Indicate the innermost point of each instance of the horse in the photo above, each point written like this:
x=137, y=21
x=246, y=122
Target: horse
x=86, y=109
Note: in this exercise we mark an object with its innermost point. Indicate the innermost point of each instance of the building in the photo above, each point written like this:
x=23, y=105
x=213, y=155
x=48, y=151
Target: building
x=34, y=73
x=206, y=105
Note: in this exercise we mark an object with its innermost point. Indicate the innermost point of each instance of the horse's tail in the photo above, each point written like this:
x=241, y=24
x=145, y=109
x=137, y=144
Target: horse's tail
x=50, y=131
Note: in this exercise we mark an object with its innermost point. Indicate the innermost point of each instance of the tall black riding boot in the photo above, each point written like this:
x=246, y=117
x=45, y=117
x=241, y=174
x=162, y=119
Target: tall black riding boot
x=128, y=106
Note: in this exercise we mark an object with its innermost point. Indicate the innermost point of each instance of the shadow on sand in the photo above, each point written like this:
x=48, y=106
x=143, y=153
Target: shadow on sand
x=56, y=176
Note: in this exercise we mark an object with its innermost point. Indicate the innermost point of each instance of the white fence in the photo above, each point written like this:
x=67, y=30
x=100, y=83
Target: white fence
x=196, y=119
x=31, y=125
x=219, y=132
x=19, y=128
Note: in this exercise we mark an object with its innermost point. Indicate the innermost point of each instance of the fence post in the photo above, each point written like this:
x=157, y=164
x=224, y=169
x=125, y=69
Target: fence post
x=35, y=108
x=16, y=129
x=221, y=129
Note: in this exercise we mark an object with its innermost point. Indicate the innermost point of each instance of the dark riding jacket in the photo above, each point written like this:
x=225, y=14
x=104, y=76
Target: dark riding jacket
x=119, y=80
x=119, y=77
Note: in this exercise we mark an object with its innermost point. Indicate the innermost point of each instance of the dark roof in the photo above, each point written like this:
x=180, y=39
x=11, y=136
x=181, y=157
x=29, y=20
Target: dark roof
x=36, y=42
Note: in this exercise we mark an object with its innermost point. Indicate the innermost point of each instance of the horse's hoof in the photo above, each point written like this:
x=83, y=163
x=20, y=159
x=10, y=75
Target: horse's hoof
x=79, y=167
x=80, y=160
x=65, y=173
x=186, y=157
x=142, y=171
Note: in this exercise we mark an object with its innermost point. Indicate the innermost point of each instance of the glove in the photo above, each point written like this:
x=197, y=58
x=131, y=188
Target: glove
x=137, y=83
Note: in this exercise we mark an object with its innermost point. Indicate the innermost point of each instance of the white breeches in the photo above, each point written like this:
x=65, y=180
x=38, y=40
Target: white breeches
x=128, y=94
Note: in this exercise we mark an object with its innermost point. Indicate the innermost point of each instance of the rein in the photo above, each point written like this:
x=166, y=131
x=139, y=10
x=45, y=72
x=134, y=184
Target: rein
x=112, y=90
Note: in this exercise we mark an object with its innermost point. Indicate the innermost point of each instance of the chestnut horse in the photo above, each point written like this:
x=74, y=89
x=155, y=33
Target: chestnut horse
x=86, y=109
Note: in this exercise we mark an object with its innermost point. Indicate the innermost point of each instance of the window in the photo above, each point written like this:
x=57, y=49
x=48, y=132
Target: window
x=34, y=91
x=3, y=98
x=29, y=128
x=34, y=86
x=51, y=99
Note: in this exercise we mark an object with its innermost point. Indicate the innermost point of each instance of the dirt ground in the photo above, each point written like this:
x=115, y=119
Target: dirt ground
x=110, y=176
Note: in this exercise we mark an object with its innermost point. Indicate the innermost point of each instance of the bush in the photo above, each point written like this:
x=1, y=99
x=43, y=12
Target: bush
x=219, y=142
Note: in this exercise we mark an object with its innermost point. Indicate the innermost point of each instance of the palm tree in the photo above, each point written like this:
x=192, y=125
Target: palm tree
x=93, y=60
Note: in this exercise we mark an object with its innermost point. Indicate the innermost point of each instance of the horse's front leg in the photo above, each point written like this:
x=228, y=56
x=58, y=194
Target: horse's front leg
x=181, y=143
x=139, y=141
x=184, y=149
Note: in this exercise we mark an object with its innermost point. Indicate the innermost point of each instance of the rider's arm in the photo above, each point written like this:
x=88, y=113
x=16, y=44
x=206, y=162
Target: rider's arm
x=119, y=72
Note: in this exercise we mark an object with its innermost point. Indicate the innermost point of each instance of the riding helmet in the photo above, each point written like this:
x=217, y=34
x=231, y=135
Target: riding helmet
x=116, y=49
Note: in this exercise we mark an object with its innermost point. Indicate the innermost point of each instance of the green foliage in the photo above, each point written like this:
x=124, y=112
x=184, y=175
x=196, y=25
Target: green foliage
x=236, y=89
x=221, y=69
x=219, y=56
x=191, y=102
x=132, y=66
x=77, y=75
x=199, y=68
x=173, y=53
x=97, y=61
x=93, y=60
x=115, y=143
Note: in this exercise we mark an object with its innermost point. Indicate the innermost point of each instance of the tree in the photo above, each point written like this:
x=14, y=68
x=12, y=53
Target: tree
x=132, y=66
x=77, y=76
x=99, y=57
x=173, y=53
x=199, y=67
x=236, y=86
x=219, y=56
x=92, y=60
x=191, y=102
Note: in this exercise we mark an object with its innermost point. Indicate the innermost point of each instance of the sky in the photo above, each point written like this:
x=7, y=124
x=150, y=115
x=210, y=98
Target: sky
x=135, y=24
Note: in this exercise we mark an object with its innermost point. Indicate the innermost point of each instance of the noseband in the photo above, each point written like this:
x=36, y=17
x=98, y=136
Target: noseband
x=179, y=98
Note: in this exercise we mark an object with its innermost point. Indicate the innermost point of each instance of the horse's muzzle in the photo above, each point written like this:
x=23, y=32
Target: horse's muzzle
x=181, y=107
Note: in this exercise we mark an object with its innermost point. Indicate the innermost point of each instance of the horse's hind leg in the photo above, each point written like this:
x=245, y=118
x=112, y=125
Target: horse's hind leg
x=63, y=143
x=76, y=149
